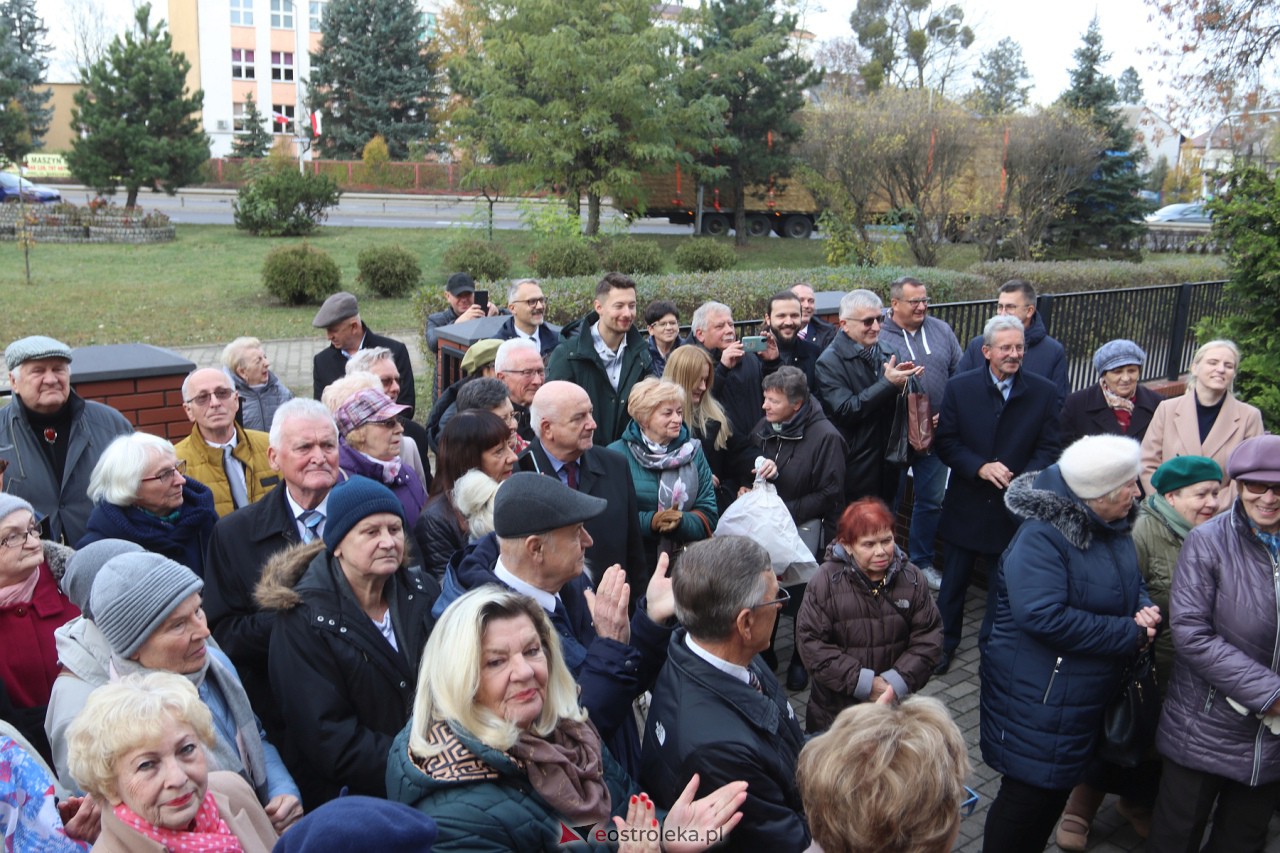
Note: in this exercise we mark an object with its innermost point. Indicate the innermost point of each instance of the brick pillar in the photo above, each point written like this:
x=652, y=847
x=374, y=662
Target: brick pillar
x=141, y=382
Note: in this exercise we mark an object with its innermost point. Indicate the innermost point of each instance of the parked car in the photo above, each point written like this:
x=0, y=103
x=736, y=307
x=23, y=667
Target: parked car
x=1193, y=213
x=34, y=193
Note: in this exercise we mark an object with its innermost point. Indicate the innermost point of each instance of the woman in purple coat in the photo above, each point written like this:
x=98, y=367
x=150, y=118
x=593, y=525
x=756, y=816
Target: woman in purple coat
x=370, y=447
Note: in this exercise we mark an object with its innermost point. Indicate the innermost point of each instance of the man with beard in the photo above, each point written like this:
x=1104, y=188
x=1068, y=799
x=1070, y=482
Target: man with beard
x=815, y=331
x=528, y=308
x=783, y=320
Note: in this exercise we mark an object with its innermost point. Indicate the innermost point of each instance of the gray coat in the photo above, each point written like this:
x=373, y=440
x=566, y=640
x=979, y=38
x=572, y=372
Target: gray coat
x=258, y=405
x=30, y=474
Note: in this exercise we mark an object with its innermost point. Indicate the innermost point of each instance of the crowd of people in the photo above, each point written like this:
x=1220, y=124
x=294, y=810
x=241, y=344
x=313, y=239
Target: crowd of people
x=516, y=627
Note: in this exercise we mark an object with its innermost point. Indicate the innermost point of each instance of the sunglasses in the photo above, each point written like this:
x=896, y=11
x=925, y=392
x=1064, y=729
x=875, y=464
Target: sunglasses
x=1255, y=488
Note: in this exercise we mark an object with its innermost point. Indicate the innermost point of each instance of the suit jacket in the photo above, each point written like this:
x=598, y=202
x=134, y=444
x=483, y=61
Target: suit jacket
x=616, y=531
x=1175, y=431
x=1087, y=413
x=330, y=364
x=820, y=333
x=547, y=339
x=977, y=427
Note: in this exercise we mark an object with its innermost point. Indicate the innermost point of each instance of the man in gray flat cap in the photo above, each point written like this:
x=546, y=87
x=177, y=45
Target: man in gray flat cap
x=51, y=438
x=538, y=549
x=339, y=316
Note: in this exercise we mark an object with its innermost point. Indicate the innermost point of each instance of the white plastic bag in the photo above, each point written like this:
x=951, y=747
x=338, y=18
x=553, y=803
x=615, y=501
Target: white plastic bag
x=760, y=515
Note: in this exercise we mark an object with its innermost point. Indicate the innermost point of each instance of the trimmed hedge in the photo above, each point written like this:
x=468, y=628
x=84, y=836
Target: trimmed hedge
x=564, y=258
x=480, y=259
x=1077, y=276
x=297, y=275
x=702, y=255
x=632, y=257
x=390, y=271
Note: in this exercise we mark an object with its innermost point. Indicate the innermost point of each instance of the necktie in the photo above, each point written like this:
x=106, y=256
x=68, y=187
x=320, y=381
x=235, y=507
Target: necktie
x=235, y=477
x=311, y=520
x=1005, y=385
x=571, y=474
x=754, y=681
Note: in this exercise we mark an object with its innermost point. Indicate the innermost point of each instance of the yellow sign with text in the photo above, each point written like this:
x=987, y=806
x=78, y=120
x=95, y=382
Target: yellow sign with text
x=40, y=166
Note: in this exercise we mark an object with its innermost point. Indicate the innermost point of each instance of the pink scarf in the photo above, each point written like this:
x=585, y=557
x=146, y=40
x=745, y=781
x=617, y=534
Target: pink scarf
x=19, y=593
x=209, y=833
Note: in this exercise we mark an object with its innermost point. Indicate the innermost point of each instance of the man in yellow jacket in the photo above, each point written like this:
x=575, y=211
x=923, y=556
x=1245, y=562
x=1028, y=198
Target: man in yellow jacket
x=226, y=457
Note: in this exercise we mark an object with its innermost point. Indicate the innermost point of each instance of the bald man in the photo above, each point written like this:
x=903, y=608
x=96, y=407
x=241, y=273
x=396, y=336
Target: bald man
x=563, y=446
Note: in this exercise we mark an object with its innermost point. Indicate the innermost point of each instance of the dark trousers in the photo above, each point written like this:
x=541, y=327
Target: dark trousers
x=1187, y=797
x=1021, y=817
x=957, y=567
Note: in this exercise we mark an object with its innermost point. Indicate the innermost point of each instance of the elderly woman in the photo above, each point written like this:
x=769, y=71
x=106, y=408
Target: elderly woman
x=908, y=792
x=140, y=746
x=674, y=487
x=729, y=454
x=498, y=750
x=1118, y=404
x=32, y=608
x=473, y=441
x=147, y=610
x=868, y=630
x=1069, y=613
x=140, y=495
x=662, y=318
x=261, y=392
x=369, y=446
x=1221, y=712
x=1207, y=420
x=341, y=390
x=352, y=618
x=491, y=395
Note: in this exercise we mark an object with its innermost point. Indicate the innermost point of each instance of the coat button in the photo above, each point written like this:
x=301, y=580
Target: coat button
x=404, y=684
x=343, y=629
x=21, y=611
x=319, y=618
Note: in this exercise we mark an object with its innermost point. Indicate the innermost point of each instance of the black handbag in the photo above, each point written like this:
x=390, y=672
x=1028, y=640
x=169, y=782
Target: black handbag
x=898, y=450
x=1130, y=719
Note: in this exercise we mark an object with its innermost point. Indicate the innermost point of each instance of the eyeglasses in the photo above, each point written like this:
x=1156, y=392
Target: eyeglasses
x=665, y=324
x=783, y=598
x=202, y=399
x=1010, y=308
x=923, y=300
x=17, y=540
x=970, y=802
x=167, y=475
x=535, y=301
x=389, y=423
x=1255, y=488
x=532, y=371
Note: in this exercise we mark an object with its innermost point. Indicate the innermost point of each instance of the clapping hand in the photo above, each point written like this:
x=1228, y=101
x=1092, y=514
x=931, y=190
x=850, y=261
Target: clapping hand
x=706, y=821
x=660, y=601
x=608, y=605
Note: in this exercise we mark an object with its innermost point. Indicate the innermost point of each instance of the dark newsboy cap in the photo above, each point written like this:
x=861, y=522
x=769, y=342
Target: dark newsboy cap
x=340, y=306
x=529, y=503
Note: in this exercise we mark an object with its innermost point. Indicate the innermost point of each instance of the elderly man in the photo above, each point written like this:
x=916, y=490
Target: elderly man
x=304, y=452
x=817, y=332
x=51, y=438
x=519, y=366
x=226, y=457
x=539, y=548
x=564, y=448
x=996, y=422
x=528, y=309
x=1044, y=357
x=608, y=356
x=339, y=316
x=717, y=710
x=738, y=372
x=860, y=379
x=931, y=344
x=380, y=361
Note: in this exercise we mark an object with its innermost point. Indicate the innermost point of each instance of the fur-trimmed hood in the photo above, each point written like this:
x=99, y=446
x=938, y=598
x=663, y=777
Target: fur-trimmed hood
x=1044, y=495
x=57, y=555
x=275, y=590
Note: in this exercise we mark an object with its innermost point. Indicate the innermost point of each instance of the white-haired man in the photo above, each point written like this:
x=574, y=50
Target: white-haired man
x=519, y=365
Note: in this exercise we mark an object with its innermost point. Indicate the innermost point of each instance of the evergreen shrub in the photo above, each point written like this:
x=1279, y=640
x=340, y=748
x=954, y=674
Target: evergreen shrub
x=297, y=275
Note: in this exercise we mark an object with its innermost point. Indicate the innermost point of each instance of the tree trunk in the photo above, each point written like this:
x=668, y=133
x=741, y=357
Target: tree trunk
x=131, y=200
x=593, y=214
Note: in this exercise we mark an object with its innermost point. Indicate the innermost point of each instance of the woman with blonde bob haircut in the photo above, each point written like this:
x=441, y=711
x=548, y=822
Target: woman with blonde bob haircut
x=729, y=455
x=909, y=789
x=499, y=752
x=139, y=747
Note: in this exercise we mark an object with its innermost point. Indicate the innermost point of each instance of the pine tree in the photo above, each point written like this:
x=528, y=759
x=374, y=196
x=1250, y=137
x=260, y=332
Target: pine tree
x=1129, y=86
x=141, y=125
x=1106, y=214
x=1002, y=80
x=23, y=62
x=255, y=141
x=375, y=73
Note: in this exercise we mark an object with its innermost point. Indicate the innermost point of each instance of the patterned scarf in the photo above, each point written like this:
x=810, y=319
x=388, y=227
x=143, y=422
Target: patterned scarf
x=678, y=481
x=209, y=833
x=566, y=768
x=1113, y=399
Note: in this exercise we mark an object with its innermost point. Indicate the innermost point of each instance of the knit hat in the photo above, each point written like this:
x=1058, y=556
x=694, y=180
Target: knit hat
x=353, y=500
x=529, y=503
x=134, y=593
x=34, y=347
x=340, y=306
x=1181, y=471
x=1098, y=464
x=1257, y=458
x=360, y=823
x=480, y=355
x=84, y=565
x=1118, y=353
x=9, y=504
x=367, y=404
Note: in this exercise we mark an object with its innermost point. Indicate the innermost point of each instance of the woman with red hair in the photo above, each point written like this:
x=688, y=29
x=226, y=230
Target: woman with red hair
x=868, y=630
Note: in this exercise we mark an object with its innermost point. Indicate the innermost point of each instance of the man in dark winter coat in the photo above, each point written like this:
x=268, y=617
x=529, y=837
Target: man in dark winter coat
x=997, y=422
x=1045, y=356
x=738, y=372
x=814, y=330
x=528, y=307
x=717, y=709
x=860, y=381
x=339, y=316
x=782, y=321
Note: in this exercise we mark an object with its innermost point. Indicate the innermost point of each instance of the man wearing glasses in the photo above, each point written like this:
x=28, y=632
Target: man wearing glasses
x=226, y=457
x=1045, y=356
x=519, y=365
x=528, y=308
x=860, y=379
x=51, y=438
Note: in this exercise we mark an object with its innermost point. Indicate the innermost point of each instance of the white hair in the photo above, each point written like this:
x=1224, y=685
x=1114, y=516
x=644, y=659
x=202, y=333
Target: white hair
x=506, y=353
x=340, y=390
x=473, y=496
x=365, y=359
x=299, y=408
x=856, y=300
x=233, y=353
x=1000, y=323
x=514, y=287
x=704, y=312
x=186, y=383
x=118, y=474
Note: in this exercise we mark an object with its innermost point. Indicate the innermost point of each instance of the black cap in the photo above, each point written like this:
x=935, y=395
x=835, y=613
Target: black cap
x=460, y=283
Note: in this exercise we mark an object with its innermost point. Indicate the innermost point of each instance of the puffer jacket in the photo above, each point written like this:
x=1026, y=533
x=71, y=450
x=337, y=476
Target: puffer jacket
x=341, y=687
x=258, y=403
x=1224, y=607
x=1067, y=589
x=847, y=634
x=1158, y=534
x=809, y=452
x=204, y=463
x=482, y=800
x=85, y=656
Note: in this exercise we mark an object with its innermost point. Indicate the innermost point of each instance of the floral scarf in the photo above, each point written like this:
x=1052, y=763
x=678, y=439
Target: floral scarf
x=566, y=768
x=678, y=480
x=209, y=833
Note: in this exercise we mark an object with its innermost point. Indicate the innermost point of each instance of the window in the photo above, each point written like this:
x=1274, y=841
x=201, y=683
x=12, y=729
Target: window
x=242, y=13
x=429, y=24
x=281, y=66
x=242, y=64
x=316, y=14
x=281, y=14
x=239, y=117
x=282, y=119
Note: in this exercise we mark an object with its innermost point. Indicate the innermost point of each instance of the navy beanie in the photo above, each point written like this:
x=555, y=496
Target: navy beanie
x=360, y=823
x=350, y=501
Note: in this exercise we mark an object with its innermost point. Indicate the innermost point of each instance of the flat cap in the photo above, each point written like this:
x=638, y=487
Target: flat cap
x=1118, y=353
x=480, y=355
x=529, y=503
x=340, y=306
x=35, y=347
x=1182, y=471
x=1257, y=458
x=460, y=283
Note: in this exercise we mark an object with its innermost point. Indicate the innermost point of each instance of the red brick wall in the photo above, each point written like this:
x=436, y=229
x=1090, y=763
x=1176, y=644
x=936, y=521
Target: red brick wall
x=152, y=404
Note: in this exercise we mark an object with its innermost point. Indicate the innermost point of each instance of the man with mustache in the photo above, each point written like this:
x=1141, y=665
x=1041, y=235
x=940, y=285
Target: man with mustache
x=997, y=422
x=784, y=320
x=528, y=308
